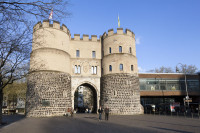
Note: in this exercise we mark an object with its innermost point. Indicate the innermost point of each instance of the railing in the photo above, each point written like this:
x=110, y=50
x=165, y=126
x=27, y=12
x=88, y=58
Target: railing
x=184, y=114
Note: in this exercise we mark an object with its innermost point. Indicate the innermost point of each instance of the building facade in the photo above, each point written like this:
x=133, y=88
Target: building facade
x=169, y=88
x=63, y=68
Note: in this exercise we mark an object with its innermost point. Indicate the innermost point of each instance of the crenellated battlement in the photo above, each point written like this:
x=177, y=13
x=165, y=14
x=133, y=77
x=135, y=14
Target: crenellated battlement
x=119, y=32
x=85, y=37
x=55, y=25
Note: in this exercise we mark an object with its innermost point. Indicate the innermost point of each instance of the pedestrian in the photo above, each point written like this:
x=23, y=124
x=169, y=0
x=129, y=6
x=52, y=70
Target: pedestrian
x=106, y=113
x=72, y=112
x=100, y=111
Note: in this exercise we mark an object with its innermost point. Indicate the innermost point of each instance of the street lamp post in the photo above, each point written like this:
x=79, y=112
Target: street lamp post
x=158, y=80
x=161, y=89
x=187, y=96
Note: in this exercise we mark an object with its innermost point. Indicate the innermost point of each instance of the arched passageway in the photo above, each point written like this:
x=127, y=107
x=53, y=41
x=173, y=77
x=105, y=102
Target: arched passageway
x=85, y=99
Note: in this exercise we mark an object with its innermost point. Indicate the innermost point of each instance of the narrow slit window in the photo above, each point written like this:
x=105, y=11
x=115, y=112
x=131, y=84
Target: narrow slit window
x=93, y=54
x=110, y=68
x=77, y=53
x=132, y=68
x=120, y=49
x=110, y=50
x=130, y=51
x=121, y=67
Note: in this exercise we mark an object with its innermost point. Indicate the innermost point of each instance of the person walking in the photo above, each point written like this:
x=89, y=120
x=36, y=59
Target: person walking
x=72, y=112
x=106, y=113
x=100, y=111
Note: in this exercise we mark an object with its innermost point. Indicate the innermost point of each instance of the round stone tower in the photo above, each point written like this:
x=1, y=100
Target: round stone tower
x=49, y=82
x=120, y=83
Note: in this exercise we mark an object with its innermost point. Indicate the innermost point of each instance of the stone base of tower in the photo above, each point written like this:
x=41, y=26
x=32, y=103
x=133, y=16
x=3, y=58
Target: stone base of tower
x=121, y=94
x=48, y=94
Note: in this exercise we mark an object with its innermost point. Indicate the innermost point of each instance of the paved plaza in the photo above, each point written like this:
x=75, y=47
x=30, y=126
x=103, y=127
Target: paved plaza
x=88, y=123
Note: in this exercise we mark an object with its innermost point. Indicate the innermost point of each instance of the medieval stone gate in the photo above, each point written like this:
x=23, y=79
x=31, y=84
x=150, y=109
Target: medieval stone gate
x=59, y=64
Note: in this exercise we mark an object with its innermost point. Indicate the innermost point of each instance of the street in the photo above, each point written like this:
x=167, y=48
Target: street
x=88, y=123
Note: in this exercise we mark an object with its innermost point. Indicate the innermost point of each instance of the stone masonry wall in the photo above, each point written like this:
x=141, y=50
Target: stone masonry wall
x=121, y=94
x=48, y=94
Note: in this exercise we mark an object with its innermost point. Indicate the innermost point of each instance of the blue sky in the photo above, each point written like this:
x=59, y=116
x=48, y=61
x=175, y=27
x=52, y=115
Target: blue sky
x=167, y=31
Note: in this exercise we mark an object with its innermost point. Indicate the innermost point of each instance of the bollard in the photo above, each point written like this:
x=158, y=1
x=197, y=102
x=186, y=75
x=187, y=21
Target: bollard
x=177, y=114
x=184, y=114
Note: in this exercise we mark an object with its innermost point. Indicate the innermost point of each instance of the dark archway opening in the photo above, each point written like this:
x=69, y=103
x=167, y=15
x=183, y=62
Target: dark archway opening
x=85, y=99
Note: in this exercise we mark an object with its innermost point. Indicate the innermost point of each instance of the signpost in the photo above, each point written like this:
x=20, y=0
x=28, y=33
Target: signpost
x=187, y=100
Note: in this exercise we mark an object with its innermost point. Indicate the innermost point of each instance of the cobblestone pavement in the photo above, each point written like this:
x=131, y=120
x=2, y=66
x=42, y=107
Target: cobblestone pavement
x=88, y=123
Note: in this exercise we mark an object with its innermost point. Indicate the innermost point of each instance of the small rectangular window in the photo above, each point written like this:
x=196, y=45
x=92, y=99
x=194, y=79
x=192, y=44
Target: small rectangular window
x=110, y=50
x=121, y=67
x=110, y=68
x=77, y=53
x=120, y=49
x=132, y=68
x=93, y=54
x=130, y=51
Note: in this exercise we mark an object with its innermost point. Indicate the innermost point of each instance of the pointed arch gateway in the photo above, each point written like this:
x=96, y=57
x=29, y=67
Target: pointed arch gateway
x=85, y=98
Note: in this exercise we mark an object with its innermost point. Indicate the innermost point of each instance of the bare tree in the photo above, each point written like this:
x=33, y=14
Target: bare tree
x=16, y=21
x=189, y=69
x=183, y=68
x=162, y=70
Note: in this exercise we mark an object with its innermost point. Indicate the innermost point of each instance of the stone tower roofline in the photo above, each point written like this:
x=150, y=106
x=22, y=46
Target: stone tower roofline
x=92, y=38
x=119, y=32
x=55, y=25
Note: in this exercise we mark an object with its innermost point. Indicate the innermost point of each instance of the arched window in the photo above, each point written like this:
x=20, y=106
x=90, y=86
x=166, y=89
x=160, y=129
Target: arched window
x=79, y=69
x=75, y=69
x=120, y=49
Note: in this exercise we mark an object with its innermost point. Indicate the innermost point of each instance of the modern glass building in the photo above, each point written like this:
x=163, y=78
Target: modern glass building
x=168, y=88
